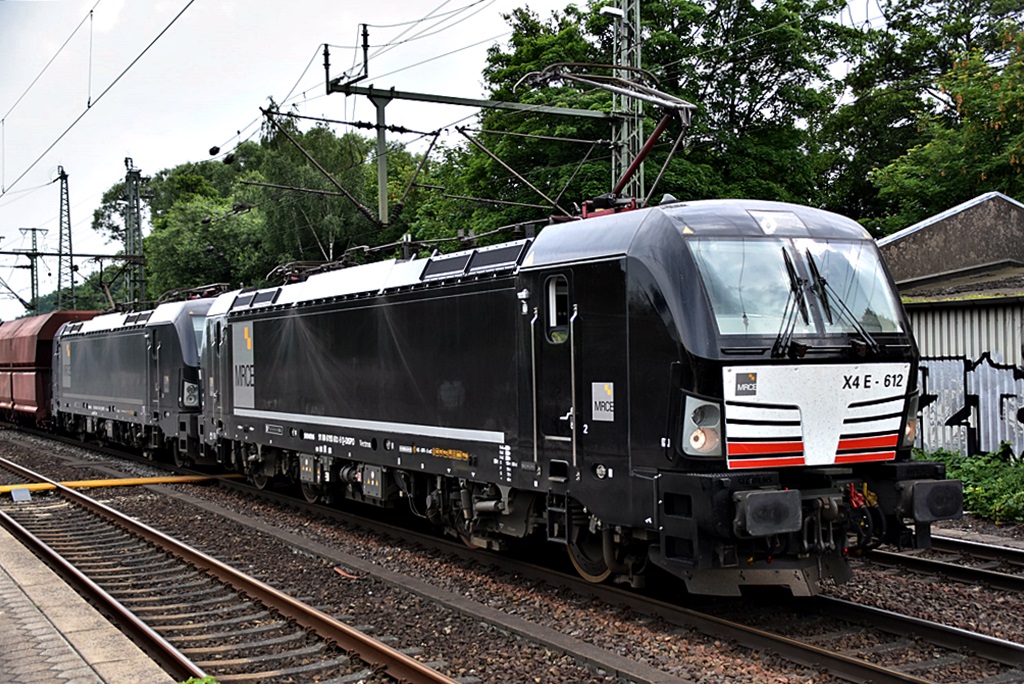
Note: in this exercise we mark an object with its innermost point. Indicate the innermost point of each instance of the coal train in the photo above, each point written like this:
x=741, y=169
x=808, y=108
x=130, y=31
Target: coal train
x=725, y=390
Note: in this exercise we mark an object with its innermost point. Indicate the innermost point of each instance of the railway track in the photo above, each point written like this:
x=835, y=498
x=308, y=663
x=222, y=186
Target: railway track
x=918, y=649
x=889, y=647
x=999, y=567
x=195, y=614
x=851, y=642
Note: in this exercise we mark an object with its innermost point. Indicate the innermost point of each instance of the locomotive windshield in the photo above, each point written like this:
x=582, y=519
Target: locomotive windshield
x=837, y=287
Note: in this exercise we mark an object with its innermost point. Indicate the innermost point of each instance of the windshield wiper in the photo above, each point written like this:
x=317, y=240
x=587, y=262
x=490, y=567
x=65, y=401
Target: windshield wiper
x=794, y=304
x=826, y=293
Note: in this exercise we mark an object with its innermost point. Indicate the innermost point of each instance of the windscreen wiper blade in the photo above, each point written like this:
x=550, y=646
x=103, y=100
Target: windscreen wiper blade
x=827, y=294
x=794, y=304
x=819, y=287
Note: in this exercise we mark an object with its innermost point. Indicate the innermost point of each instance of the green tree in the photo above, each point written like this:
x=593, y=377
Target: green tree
x=205, y=178
x=94, y=293
x=892, y=81
x=314, y=224
x=758, y=73
x=203, y=240
x=975, y=146
x=566, y=172
x=107, y=217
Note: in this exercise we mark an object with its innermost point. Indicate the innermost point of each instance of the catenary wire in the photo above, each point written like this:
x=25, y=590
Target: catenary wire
x=3, y=119
x=421, y=20
x=415, y=23
x=420, y=35
x=55, y=55
x=98, y=98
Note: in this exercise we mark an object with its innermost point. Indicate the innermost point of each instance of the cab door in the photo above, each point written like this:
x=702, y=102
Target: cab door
x=216, y=364
x=554, y=344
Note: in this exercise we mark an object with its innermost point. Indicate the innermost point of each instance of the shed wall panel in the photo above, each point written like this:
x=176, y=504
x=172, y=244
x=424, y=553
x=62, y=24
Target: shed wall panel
x=970, y=332
x=972, y=376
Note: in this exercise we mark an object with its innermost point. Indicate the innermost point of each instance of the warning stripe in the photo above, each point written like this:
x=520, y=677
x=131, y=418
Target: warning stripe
x=862, y=443
x=766, y=462
x=742, y=448
x=866, y=457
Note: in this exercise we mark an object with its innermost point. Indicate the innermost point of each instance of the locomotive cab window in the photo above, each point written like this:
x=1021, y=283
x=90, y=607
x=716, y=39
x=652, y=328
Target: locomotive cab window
x=558, y=309
x=821, y=286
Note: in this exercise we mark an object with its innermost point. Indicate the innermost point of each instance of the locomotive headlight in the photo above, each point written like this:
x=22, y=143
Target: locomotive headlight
x=706, y=415
x=702, y=427
x=190, y=394
x=601, y=471
x=704, y=440
x=910, y=422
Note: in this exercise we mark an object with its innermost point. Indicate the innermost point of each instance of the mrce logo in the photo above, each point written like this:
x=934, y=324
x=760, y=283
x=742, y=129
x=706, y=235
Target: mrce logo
x=746, y=385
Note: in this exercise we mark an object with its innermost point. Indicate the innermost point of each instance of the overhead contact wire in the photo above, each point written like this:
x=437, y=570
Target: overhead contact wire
x=100, y=96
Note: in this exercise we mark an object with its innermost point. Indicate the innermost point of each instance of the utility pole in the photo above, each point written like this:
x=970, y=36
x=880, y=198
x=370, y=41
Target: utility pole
x=32, y=256
x=136, y=272
x=628, y=135
x=65, y=263
x=382, y=160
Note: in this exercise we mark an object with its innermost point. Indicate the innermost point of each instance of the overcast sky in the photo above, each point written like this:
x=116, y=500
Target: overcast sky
x=199, y=84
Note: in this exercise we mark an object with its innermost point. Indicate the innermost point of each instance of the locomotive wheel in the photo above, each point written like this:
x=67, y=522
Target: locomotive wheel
x=458, y=526
x=587, y=557
x=181, y=459
x=260, y=480
x=310, y=492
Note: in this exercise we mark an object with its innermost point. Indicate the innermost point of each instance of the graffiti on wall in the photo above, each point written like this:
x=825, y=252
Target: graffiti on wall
x=971, y=406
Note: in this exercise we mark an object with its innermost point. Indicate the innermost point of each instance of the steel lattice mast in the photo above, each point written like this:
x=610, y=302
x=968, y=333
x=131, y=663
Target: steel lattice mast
x=32, y=257
x=65, y=258
x=136, y=274
x=628, y=135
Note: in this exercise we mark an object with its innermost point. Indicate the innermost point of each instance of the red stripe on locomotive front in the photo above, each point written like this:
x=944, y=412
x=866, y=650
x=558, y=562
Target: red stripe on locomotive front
x=869, y=442
x=860, y=458
x=767, y=462
x=739, y=448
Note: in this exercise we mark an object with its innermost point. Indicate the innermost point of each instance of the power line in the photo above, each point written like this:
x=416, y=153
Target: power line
x=289, y=99
x=98, y=98
x=316, y=53
x=427, y=31
x=431, y=15
x=354, y=124
x=418, y=36
x=55, y=55
x=446, y=54
x=3, y=120
x=24, y=193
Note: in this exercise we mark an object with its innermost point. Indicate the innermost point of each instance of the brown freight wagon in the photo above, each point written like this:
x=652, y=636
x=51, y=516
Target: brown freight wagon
x=26, y=357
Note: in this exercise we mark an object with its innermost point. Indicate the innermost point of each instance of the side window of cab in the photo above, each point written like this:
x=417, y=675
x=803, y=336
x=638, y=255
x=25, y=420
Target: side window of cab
x=557, y=302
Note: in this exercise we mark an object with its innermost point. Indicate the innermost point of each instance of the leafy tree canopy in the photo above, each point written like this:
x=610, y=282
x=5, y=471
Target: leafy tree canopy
x=976, y=146
x=925, y=112
x=892, y=81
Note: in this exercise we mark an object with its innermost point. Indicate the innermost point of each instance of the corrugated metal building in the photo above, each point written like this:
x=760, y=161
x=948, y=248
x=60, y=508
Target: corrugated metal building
x=961, y=274
x=972, y=373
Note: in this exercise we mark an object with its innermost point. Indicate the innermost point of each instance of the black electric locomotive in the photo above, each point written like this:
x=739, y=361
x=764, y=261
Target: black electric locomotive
x=725, y=389
x=133, y=378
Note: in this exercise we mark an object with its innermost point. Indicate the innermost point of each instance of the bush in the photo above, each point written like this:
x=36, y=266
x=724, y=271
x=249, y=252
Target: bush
x=993, y=483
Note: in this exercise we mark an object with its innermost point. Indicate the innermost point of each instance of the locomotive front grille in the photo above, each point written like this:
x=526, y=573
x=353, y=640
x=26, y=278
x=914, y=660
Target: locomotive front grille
x=777, y=416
